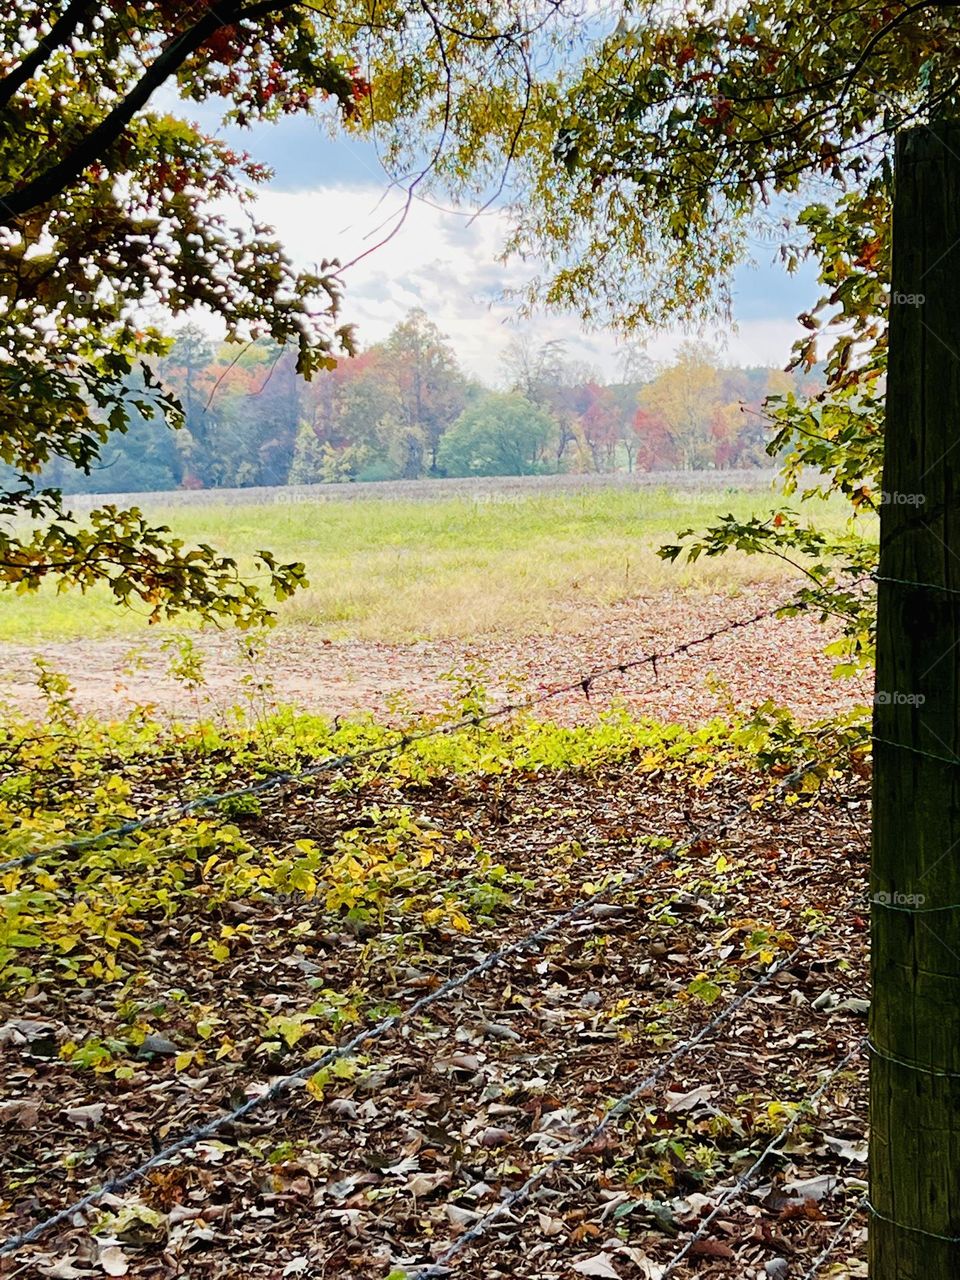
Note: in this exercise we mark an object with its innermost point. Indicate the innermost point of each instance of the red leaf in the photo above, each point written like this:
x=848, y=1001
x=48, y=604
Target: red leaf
x=711, y=1249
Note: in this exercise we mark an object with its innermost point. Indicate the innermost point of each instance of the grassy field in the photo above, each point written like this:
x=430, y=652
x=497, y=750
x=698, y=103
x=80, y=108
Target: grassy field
x=402, y=570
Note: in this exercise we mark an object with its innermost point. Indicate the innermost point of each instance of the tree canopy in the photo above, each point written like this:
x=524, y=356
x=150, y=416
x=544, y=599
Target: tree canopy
x=498, y=435
x=249, y=419
x=112, y=209
x=686, y=134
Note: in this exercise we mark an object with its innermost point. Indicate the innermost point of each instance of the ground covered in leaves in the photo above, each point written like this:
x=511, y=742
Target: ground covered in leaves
x=152, y=982
x=346, y=677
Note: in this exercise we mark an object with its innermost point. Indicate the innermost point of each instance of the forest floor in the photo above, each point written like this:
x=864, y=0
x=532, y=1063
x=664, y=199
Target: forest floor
x=220, y=985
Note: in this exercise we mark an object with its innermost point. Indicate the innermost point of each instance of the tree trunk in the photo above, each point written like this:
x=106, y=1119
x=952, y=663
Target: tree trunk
x=915, y=1016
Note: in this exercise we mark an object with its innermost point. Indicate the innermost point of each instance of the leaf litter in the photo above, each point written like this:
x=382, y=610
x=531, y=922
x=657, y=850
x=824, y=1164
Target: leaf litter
x=374, y=1169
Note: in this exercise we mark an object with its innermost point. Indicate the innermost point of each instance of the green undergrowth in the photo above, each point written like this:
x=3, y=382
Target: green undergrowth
x=145, y=928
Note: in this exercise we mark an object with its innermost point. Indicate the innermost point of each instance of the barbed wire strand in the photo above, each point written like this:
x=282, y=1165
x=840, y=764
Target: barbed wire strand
x=903, y=1226
x=405, y=739
x=440, y=1266
x=917, y=751
x=834, y=1240
x=368, y=1035
x=916, y=585
x=742, y=1183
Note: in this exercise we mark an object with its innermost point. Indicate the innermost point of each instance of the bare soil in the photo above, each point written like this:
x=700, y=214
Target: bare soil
x=781, y=659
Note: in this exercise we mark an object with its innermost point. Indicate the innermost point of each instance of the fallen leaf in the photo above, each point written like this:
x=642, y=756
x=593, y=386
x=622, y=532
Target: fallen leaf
x=497, y=1031
x=549, y=1226
x=812, y=1188
x=711, y=1249
x=599, y=1265
x=343, y=1108
x=494, y=1137
x=422, y=1184
x=63, y=1269
x=156, y=1044
x=114, y=1261
x=89, y=1115
x=21, y=1112
x=687, y=1101
x=854, y=1151
x=461, y=1217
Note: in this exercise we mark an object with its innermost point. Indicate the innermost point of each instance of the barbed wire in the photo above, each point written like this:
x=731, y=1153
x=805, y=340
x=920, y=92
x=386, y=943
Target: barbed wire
x=916, y=751
x=834, y=1240
x=742, y=1183
x=405, y=739
x=369, y=1035
x=440, y=1265
x=903, y=1226
x=915, y=584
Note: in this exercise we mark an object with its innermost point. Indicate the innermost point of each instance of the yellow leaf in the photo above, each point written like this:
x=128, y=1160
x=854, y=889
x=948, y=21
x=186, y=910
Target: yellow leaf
x=315, y=1085
x=459, y=920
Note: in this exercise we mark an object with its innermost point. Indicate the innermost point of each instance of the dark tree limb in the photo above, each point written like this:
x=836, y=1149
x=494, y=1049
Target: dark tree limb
x=54, y=181
x=59, y=34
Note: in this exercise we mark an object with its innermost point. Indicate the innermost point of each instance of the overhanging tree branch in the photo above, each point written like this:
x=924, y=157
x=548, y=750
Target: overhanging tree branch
x=60, y=33
x=15, y=203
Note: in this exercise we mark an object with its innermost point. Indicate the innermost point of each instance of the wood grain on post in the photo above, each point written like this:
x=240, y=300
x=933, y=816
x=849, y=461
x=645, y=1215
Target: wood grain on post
x=915, y=887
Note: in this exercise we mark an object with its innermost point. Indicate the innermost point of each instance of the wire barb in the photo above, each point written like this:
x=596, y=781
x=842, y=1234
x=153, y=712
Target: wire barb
x=341, y=761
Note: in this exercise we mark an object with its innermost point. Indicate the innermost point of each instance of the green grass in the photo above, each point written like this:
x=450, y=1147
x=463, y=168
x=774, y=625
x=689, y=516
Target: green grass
x=400, y=570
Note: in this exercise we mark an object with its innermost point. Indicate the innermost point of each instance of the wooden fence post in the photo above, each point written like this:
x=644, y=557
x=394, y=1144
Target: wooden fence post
x=915, y=886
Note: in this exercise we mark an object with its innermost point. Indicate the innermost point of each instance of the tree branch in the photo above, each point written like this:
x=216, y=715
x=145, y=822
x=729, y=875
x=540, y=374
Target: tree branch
x=15, y=203
x=60, y=33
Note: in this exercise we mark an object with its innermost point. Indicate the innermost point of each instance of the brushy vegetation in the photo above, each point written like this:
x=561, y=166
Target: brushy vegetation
x=160, y=975
x=400, y=570
x=85, y=919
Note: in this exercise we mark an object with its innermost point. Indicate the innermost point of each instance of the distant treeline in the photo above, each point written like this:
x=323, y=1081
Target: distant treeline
x=404, y=409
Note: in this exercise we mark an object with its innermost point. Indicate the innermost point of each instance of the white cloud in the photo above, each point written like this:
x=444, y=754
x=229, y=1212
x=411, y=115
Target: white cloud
x=442, y=262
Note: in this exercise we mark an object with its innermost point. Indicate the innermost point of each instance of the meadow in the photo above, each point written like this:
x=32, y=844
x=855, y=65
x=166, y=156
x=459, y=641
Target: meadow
x=450, y=568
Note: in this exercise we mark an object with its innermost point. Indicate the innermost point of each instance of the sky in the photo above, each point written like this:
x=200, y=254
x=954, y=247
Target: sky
x=330, y=198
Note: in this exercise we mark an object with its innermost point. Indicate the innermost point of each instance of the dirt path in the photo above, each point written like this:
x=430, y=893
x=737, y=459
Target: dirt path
x=778, y=659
